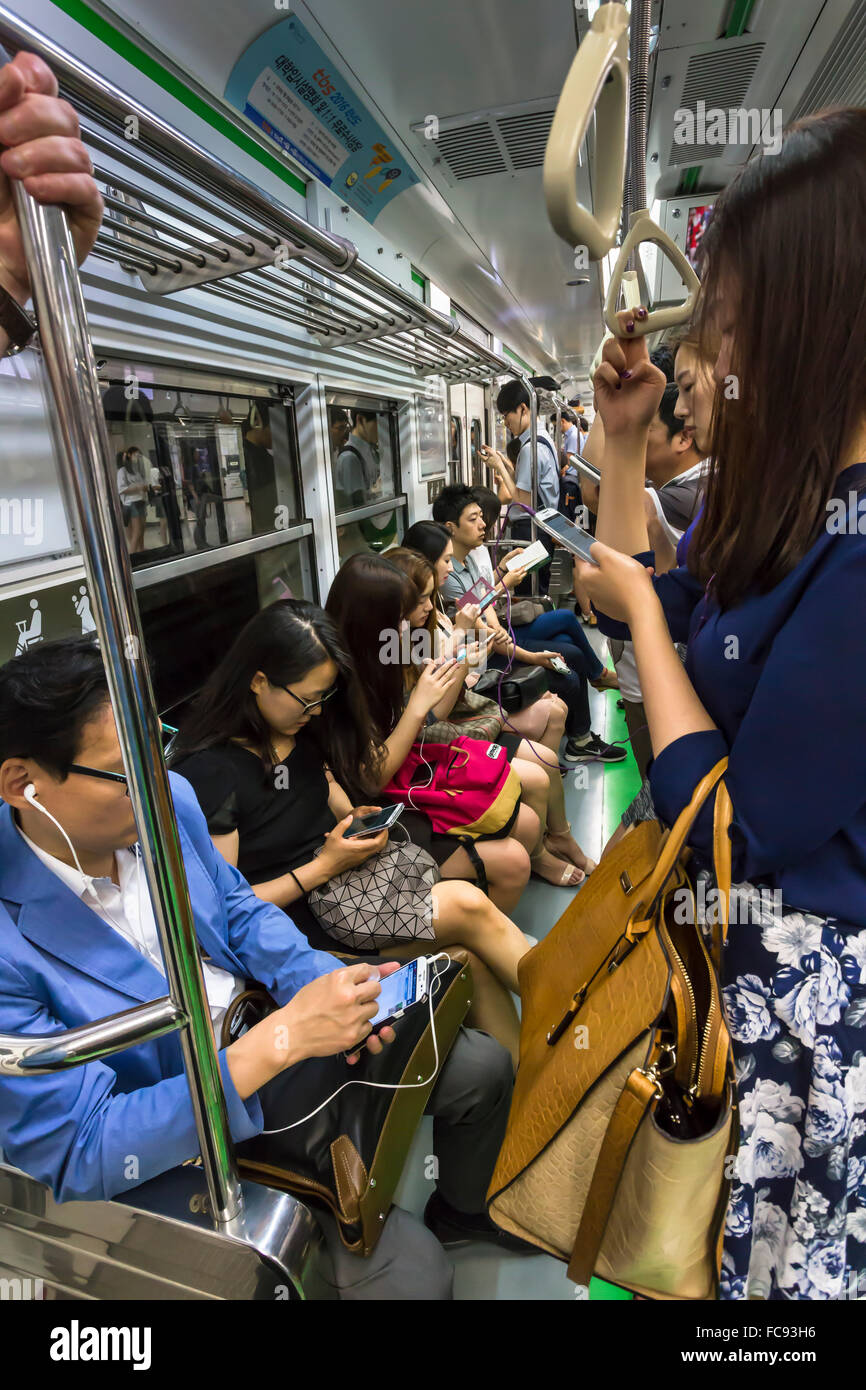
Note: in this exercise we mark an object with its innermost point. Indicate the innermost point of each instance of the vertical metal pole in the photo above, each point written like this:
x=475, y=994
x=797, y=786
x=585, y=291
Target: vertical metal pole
x=533, y=448
x=85, y=466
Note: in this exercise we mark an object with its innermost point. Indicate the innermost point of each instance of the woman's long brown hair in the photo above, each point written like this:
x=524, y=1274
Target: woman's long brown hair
x=368, y=600
x=784, y=259
x=419, y=570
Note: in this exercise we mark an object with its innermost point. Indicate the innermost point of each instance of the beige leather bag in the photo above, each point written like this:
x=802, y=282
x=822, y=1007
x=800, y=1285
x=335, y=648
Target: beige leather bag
x=623, y=1110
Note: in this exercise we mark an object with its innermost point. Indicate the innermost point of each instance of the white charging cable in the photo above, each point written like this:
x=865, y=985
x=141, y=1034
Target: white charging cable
x=386, y=1085
x=421, y=786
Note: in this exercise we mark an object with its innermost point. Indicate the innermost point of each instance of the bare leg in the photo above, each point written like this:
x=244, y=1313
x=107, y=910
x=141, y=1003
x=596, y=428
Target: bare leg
x=462, y=913
x=506, y=863
x=537, y=790
x=615, y=838
x=492, y=1008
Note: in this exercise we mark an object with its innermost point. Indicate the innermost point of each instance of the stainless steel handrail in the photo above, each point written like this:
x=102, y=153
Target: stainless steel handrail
x=84, y=458
x=39, y=1054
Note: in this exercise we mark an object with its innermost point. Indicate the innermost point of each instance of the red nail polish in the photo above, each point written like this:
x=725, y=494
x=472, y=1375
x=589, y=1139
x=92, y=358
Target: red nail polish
x=629, y=328
x=625, y=376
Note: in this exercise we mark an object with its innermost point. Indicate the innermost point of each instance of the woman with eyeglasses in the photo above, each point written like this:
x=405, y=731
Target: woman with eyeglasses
x=279, y=749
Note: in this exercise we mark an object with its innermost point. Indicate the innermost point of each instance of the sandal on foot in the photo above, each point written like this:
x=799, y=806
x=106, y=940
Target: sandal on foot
x=567, y=870
x=588, y=865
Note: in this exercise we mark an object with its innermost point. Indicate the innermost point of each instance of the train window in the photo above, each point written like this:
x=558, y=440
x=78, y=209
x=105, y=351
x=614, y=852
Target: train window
x=190, y=620
x=432, y=450
x=455, y=457
x=476, y=439
x=198, y=468
x=33, y=523
x=370, y=507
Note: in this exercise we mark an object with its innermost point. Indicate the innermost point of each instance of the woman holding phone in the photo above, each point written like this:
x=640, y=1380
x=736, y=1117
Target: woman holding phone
x=770, y=600
x=279, y=750
x=560, y=859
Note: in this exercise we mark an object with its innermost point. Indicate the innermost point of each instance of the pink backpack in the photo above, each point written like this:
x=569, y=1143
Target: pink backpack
x=466, y=787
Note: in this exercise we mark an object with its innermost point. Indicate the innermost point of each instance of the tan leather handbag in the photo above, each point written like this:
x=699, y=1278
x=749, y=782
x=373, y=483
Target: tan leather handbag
x=623, y=1112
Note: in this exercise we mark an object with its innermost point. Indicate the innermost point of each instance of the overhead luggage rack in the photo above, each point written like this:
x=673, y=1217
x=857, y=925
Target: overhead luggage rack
x=180, y=219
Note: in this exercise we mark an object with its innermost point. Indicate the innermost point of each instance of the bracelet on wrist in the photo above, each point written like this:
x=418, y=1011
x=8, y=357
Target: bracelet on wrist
x=304, y=891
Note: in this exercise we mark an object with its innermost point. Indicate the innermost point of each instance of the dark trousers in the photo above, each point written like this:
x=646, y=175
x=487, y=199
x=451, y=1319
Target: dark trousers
x=560, y=631
x=638, y=732
x=469, y=1105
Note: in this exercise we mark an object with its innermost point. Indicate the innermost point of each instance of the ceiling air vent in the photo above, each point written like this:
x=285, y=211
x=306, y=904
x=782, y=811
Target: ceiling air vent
x=504, y=141
x=525, y=138
x=841, y=78
x=720, y=79
x=470, y=151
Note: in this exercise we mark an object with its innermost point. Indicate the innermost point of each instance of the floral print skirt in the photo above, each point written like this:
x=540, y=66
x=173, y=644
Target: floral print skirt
x=795, y=996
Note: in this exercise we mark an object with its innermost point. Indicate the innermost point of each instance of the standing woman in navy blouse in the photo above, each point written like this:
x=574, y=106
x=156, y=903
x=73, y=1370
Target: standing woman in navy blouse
x=771, y=600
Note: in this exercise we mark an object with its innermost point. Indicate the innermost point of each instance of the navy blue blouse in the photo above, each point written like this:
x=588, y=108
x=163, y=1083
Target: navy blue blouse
x=783, y=676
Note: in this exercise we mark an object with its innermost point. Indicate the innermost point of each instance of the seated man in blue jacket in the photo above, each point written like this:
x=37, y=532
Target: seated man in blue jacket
x=78, y=942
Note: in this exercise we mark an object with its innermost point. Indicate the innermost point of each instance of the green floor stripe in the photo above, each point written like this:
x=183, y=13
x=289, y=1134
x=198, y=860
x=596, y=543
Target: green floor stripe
x=622, y=781
x=621, y=784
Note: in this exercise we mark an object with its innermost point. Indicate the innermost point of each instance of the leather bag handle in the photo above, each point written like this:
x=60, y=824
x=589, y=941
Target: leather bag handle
x=635, y=1099
x=678, y=835
x=723, y=815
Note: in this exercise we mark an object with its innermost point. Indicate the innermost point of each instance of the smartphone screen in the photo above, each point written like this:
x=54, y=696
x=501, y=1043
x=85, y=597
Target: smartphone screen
x=486, y=602
x=398, y=992
x=572, y=537
x=371, y=825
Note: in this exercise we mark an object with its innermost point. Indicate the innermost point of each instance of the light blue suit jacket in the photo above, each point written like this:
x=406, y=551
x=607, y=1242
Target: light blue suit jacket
x=97, y=1130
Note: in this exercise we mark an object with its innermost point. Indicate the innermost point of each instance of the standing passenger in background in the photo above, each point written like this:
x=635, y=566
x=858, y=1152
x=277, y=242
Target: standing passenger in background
x=357, y=470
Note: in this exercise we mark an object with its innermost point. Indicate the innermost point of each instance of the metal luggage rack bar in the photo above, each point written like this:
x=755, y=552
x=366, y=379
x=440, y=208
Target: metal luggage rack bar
x=179, y=218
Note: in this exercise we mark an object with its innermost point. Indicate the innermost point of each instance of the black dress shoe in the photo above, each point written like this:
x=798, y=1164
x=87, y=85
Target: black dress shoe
x=453, y=1227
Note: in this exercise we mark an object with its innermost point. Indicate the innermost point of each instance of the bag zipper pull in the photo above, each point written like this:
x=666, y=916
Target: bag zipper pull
x=574, y=1007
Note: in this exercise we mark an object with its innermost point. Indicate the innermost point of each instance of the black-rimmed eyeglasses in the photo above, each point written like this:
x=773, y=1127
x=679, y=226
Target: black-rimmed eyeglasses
x=100, y=773
x=307, y=705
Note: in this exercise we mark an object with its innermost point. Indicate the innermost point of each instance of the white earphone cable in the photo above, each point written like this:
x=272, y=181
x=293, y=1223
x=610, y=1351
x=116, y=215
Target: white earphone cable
x=385, y=1085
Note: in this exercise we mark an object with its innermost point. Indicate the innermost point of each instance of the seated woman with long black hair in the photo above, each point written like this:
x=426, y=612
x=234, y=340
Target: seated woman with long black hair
x=279, y=749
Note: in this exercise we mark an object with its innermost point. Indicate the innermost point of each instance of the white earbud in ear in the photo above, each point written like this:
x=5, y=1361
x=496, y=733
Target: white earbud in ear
x=31, y=798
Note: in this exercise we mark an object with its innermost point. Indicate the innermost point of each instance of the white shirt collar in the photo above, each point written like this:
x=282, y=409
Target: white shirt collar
x=69, y=875
x=697, y=470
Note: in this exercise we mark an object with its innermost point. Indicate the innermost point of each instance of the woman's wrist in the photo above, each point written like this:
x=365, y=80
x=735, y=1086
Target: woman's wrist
x=645, y=608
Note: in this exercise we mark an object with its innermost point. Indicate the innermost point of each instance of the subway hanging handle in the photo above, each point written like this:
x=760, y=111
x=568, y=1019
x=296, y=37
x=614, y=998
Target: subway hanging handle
x=597, y=83
x=642, y=228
